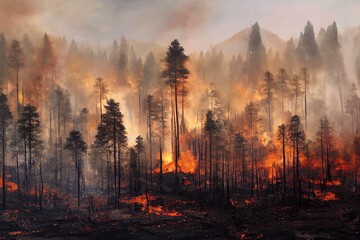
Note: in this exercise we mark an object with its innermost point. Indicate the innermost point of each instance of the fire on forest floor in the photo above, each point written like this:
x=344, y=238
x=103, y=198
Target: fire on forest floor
x=146, y=205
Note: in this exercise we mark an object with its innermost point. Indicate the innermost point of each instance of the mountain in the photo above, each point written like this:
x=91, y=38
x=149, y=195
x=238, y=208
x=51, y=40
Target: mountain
x=238, y=43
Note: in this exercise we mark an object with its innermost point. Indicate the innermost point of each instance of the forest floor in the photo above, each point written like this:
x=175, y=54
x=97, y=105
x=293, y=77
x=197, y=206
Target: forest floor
x=181, y=218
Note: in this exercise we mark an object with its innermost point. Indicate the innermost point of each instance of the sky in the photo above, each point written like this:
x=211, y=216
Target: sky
x=197, y=23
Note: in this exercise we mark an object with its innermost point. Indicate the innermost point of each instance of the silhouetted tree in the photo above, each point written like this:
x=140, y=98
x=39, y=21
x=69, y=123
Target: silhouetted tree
x=268, y=89
x=100, y=91
x=5, y=118
x=115, y=131
x=3, y=62
x=76, y=144
x=296, y=135
x=29, y=127
x=174, y=72
x=16, y=62
x=282, y=137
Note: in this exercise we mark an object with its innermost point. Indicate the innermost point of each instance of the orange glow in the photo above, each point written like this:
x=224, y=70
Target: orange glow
x=10, y=186
x=157, y=210
x=327, y=196
x=186, y=164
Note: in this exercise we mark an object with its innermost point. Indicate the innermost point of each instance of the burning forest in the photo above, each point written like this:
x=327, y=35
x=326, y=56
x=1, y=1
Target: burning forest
x=112, y=127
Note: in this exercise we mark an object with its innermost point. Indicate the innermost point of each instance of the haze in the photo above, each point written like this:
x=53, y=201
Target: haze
x=197, y=23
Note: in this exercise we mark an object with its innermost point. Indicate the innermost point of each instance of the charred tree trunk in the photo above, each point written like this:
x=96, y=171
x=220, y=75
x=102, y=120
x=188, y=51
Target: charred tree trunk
x=284, y=164
x=41, y=188
x=210, y=163
x=18, y=174
x=3, y=164
x=205, y=165
x=161, y=170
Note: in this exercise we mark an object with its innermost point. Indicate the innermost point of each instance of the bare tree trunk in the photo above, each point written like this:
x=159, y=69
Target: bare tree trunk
x=3, y=164
x=210, y=164
x=41, y=187
x=18, y=174
x=205, y=164
x=161, y=170
x=284, y=163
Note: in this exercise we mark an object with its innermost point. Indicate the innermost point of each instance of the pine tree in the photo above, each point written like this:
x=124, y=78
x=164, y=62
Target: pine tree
x=268, y=89
x=3, y=62
x=76, y=144
x=116, y=135
x=211, y=127
x=174, y=72
x=256, y=59
x=29, y=128
x=5, y=118
x=296, y=135
x=282, y=137
x=16, y=62
x=140, y=151
x=100, y=91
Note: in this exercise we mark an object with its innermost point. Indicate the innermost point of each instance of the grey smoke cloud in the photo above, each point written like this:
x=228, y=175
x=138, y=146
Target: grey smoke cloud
x=198, y=24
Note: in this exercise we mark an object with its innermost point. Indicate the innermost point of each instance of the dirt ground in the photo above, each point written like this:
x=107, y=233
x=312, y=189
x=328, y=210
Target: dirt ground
x=182, y=218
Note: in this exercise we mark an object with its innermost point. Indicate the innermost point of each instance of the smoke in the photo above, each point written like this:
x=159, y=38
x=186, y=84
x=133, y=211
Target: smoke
x=17, y=17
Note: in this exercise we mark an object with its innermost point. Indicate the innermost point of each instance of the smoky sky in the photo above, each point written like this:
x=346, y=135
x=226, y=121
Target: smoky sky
x=196, y=23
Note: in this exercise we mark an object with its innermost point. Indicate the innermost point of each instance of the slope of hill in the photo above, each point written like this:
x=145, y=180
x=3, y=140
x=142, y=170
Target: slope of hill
x=238, y=43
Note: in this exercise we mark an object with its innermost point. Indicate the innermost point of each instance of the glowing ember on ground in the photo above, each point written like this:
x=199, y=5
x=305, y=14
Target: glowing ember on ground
x=326, y=196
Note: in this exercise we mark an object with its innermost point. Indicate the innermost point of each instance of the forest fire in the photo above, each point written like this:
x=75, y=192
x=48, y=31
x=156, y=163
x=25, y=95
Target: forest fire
x=10, y=186
x=187, y=163
x=118, y=130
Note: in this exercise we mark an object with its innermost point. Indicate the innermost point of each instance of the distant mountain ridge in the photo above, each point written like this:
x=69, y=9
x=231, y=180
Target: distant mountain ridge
x=238, y=43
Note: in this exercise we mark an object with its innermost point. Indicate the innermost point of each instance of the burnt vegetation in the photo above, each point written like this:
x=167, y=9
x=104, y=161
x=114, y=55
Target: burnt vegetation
x=117, y=143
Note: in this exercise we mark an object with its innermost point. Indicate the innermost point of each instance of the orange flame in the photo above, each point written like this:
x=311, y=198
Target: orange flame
x=10, y=186
x=186, y=164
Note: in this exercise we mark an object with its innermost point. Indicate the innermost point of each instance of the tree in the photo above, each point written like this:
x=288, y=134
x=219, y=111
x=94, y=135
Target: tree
x=116, y=134
x=297, y=136
x=352, y=107
x=268, y=91
x=356, y=149
x=307, y=50
x=100, y=91
x=99, y=153
x=3, y=61
x=253, y=120
x=5, y=118
x=151, y=73
x=175, y=70
x=47, y=57
x=282, y=86
x=16, y=62
x=211, y=127
x=76, y=144
x=63, y=111
x=282, y=137
x=295, y=90
x=123, y=60
x=240, y=149
x=140, y=151
x=29, y=128
x=306, y=85
x=290, y=56
x=256, y=59
x=325, y=135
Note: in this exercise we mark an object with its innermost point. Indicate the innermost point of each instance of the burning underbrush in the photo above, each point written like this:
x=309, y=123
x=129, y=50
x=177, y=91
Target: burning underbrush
x=10, y=186
x=186, y=163
x=151, y=205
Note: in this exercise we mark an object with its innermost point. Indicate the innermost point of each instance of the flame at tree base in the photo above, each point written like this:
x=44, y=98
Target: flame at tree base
x=10, y=186
x=186, y=163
